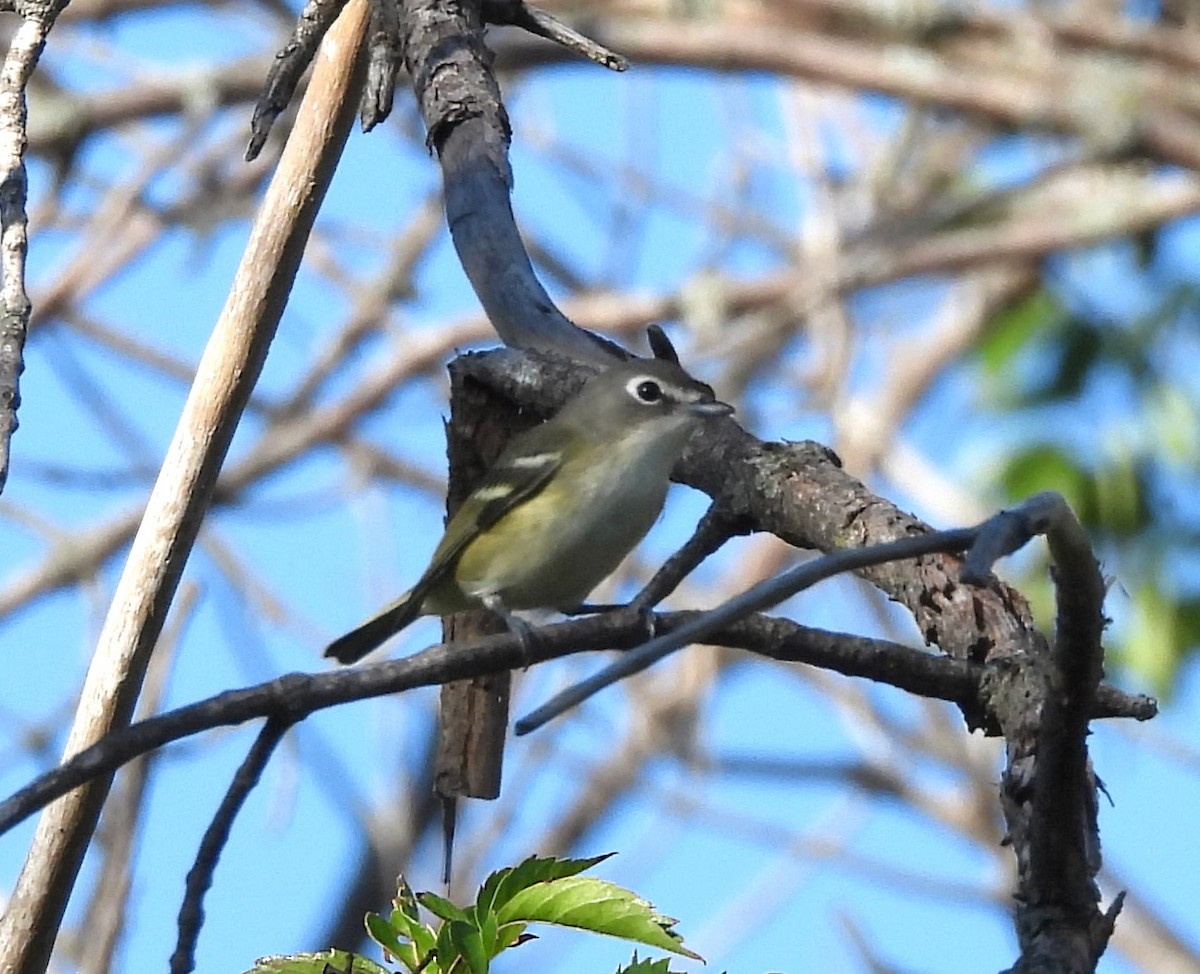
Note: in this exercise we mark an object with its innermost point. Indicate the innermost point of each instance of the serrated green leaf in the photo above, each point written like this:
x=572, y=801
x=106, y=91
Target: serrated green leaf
x=511, y=934
x=426, y=940
x=469, y=945
x=647, y=966
x=419, y=933
x=503, y=884
x=489, y=927
x=405, y=921
x=400, y=922
x=341, y=961
x=384, y=933
x=445, y=950
x=442, y=908
x=597, y=905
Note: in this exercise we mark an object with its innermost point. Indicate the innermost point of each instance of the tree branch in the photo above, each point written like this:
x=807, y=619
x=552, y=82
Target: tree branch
x=298, y=694
x=459, y=99
x=24, y=49
x=1048, y=791
x=216, y=836
x=226, y=375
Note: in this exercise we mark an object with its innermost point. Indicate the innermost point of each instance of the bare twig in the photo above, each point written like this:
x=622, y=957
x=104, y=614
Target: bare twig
x=1054, y=830
x=714, y=529
x=762, y=596
x=383, y=61
x=543, y=24
x=23, y=52
x=199, y=877
x=315, y=19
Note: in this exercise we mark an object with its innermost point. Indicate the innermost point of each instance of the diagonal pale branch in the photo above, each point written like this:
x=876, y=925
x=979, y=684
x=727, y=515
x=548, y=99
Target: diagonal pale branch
x=109, y=908
x=225, y=378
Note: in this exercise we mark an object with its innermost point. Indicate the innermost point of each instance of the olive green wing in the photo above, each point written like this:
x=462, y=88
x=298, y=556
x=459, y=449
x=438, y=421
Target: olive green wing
x=518, y=474
x=521, y=472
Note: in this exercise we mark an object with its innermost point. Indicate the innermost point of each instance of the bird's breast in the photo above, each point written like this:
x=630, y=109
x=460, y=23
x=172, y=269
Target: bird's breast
x=551, y=551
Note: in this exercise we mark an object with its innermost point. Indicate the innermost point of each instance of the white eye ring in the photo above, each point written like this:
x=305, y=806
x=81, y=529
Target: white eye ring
x=645, y=390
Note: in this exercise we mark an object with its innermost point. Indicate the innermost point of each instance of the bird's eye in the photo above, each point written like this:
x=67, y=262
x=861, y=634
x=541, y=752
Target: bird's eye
x=649, y=391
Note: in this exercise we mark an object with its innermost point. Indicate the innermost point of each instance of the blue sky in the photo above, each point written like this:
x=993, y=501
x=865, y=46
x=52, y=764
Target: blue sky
x=762, y=874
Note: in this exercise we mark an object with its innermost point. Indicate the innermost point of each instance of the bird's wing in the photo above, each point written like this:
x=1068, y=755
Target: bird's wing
x=521, y=472
x=518, y=474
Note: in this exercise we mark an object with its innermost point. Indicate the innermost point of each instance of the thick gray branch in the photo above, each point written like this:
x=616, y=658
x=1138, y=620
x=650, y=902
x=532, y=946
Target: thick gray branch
x=459, y=98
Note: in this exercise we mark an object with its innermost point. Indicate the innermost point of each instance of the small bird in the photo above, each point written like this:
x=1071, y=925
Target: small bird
x=562, y=505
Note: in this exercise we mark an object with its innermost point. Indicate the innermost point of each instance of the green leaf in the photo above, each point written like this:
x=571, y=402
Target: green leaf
x=489, y=928
x=460, y=949
x=323, y=962
x=503, y=884
x=593, y=904
x=471, y=946
x=511, y=935
x=405, y=918
x=419, y=933
x=442, y=908
x=384, y=933
x=646, y=966
x=1015, y=326
x=402, y=934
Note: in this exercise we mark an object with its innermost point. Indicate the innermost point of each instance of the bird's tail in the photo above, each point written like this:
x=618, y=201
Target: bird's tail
x=371, y=634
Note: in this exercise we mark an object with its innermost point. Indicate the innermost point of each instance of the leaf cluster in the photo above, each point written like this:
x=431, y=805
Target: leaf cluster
x=465, y=940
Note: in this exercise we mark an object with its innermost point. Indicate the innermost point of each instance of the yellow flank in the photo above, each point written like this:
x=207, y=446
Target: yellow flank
x=574, y=557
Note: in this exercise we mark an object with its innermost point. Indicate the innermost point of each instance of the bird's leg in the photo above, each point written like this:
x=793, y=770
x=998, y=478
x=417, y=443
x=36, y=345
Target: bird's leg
x=516, y=625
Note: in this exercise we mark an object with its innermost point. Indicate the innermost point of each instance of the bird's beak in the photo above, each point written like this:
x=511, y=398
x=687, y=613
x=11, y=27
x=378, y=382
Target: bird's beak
x=707, y=410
